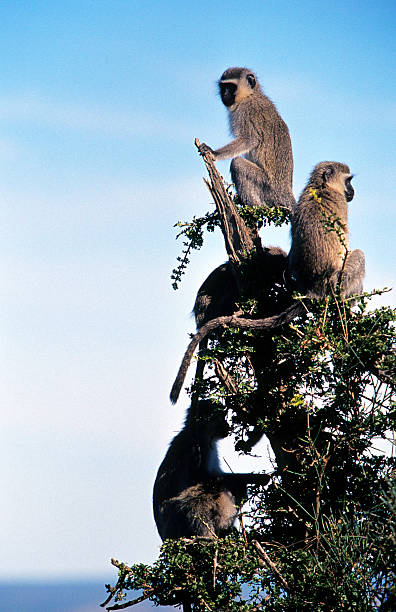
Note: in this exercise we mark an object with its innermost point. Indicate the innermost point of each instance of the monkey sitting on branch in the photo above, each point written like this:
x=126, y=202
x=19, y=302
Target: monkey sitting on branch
x=264, y=175
x=192, y=495
x=219, y=293
x=319, y=258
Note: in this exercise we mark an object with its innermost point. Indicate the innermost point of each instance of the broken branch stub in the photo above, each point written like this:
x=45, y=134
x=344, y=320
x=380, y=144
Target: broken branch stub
x=237, y=237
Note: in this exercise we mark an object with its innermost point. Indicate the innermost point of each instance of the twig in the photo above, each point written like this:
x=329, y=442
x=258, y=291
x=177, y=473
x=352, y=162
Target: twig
x=344, y=331
x=268, y=323
x=243, y=528
x=121, y=566
x=124, y=568
x=227, y=379
x=128, y=604
x=270, y=564
x=206, y=605
x=214, y=569
x=208, y=527
x=113, y=590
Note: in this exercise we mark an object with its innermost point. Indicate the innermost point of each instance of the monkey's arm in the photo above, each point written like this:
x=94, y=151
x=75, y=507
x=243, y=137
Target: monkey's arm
x=239, y=146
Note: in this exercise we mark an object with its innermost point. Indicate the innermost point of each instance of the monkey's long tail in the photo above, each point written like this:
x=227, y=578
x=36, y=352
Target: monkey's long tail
x=199, y=373
x=230, y=321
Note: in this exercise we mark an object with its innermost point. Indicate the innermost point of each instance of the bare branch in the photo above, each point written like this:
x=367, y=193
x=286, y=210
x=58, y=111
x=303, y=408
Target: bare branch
x=270, y=564
x=214, y=569
x=237, y=236
x=128, y=604
x=225, y=377
x=113, y=590
x=121, y=566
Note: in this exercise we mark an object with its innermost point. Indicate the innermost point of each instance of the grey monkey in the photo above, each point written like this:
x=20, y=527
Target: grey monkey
x=192, y=496
x=218, y=294
x=265, y=174
x=319, y=256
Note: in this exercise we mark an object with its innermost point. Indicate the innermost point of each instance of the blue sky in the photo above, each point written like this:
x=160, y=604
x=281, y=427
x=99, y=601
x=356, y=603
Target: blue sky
x=100, y=103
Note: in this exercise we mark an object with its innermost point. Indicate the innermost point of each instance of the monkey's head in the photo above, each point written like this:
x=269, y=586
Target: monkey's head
x=212, y=419
x=333, y=175
x=235, y=84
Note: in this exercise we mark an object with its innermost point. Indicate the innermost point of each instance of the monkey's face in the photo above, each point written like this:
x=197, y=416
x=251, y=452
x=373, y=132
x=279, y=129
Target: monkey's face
x=349, y=191
x=228, y=91
x=236, y=84
x=337, y=176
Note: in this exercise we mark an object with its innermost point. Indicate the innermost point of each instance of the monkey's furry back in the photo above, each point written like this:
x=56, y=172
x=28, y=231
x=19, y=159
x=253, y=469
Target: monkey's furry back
x=257, y=118
x=317, y=251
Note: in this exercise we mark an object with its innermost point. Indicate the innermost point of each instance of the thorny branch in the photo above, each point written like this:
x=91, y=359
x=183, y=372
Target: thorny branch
x=270, y=564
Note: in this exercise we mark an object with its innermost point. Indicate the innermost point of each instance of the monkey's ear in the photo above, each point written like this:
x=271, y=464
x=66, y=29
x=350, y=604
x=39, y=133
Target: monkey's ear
x=328, y=173
x=251, y=80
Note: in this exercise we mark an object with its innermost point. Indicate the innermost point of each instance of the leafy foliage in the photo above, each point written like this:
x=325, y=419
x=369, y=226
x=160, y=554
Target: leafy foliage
x=323, y=397
x=321, y=535
x=193, y=231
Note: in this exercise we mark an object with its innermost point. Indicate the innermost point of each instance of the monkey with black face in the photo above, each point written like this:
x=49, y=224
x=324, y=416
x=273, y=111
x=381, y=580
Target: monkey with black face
x=319, y=257
x=192, y=495
x=264, y=175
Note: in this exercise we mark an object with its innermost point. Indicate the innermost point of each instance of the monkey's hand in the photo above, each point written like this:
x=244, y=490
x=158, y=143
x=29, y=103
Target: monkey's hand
x=204, y=149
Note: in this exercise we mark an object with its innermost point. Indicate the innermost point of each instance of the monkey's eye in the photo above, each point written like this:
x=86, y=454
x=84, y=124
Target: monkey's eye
x=228, y=87
x=251, y=80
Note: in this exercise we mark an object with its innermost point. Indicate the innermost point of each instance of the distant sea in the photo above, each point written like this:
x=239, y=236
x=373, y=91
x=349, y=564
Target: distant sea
x=58, y=597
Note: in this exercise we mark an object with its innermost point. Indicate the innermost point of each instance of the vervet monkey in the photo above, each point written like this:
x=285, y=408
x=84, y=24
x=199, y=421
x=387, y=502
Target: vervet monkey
x=264, y=175
x=218, y=294
x=319, y=257
x=192, y=495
